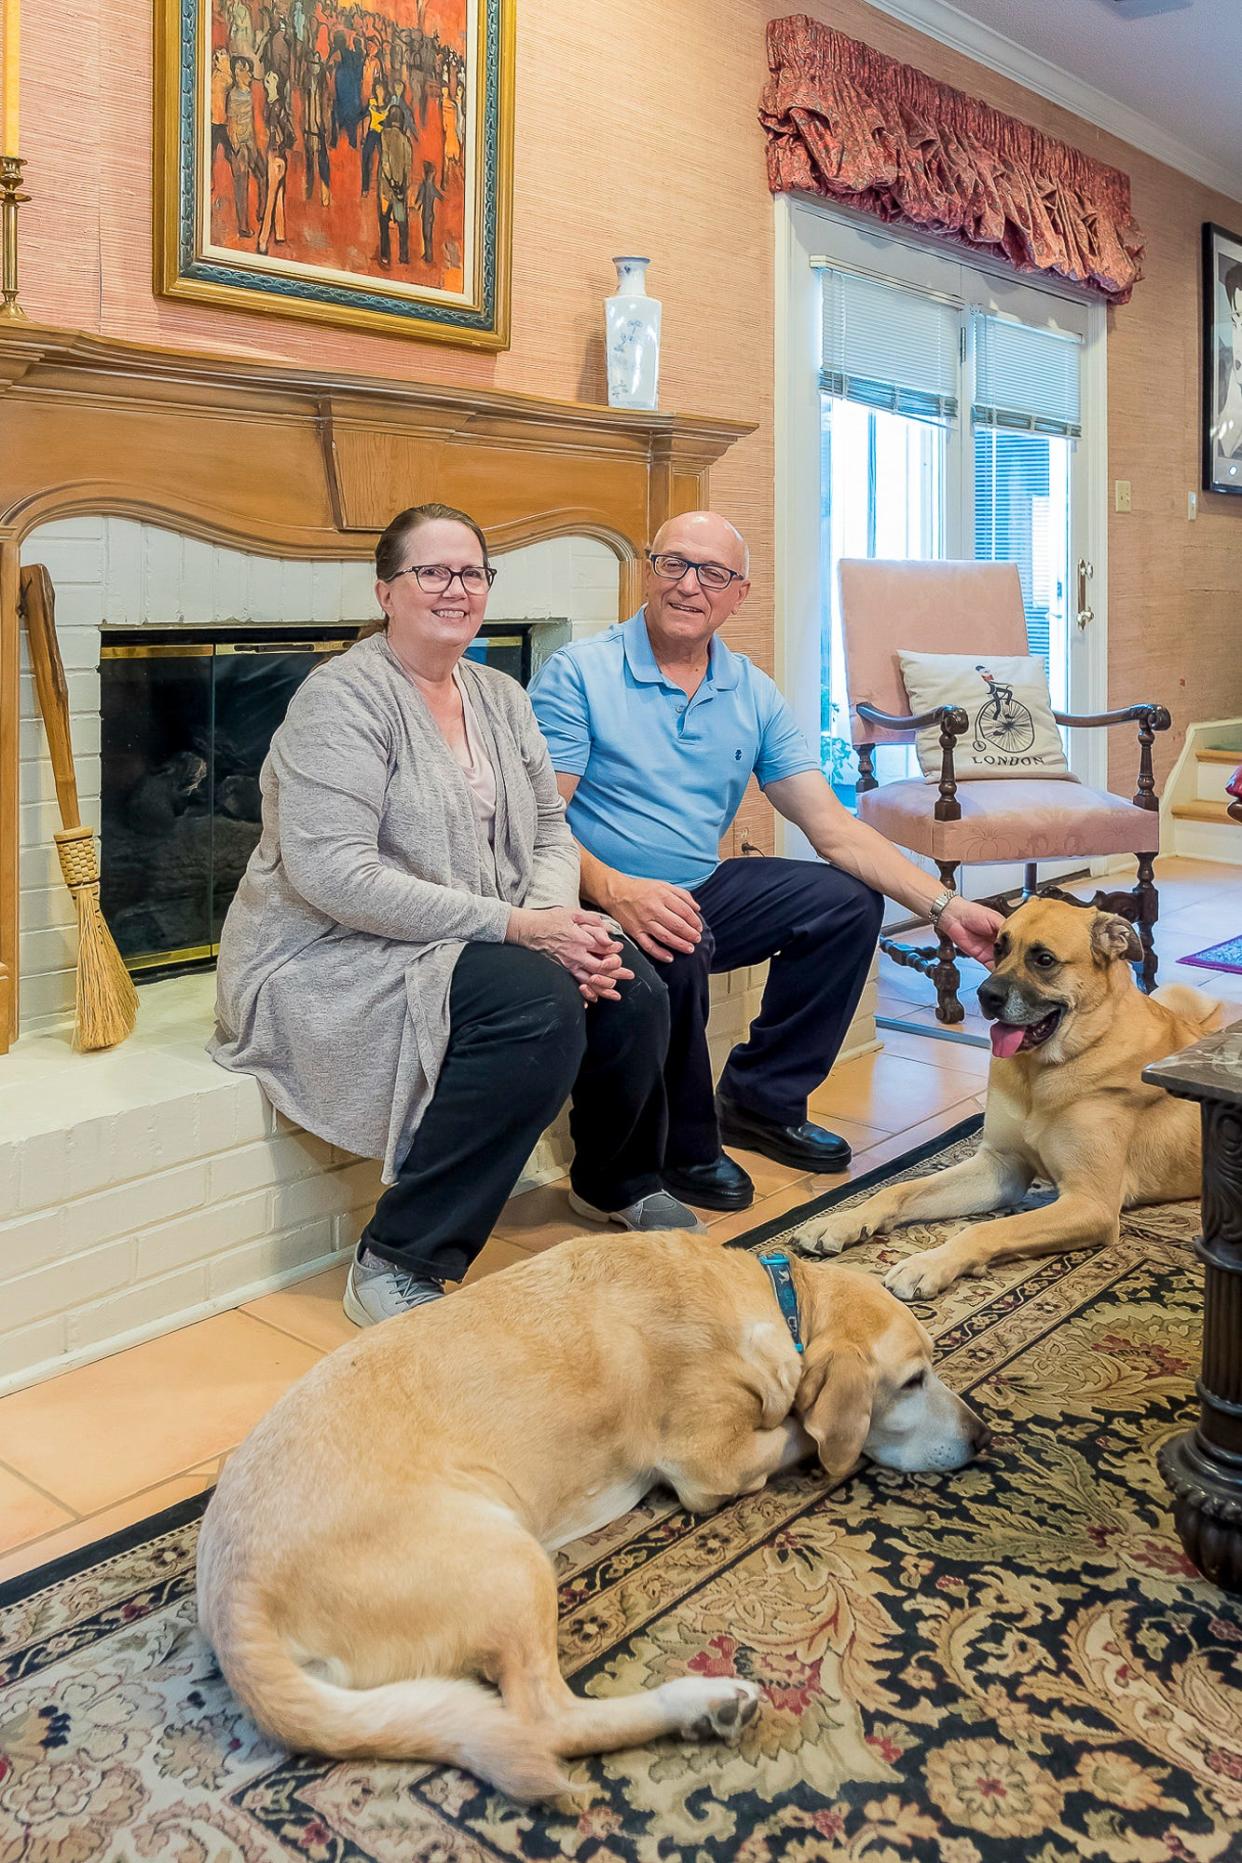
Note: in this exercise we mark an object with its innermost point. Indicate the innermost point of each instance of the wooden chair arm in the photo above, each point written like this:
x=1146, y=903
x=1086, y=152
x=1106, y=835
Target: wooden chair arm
x=952, y=721
x=1132, y=714
x=1149, y=719
x=916, y=720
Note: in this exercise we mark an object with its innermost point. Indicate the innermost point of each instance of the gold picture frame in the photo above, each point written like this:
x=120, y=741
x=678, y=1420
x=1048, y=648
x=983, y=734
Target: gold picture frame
x=347, y=163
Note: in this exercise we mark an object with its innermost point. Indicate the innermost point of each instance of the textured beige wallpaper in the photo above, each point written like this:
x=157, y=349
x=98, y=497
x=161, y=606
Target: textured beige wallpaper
x=636, y=131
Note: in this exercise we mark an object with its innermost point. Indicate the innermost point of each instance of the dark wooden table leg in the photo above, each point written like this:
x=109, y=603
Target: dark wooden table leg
x=1203, y=1467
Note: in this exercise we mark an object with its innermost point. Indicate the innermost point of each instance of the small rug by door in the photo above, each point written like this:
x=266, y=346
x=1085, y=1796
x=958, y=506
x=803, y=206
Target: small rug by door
x=1226, y=956
x=1014, y=1661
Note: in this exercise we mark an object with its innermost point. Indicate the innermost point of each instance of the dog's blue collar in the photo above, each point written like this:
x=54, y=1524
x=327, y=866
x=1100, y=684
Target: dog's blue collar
x=777, y=1265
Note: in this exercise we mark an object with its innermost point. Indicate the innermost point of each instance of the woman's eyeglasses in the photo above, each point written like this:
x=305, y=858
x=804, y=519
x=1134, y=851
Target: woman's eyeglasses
x=437, y=578
x=710, y=575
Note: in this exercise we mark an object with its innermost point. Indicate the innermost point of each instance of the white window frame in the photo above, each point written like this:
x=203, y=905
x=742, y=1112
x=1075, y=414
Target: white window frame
x=805, y=229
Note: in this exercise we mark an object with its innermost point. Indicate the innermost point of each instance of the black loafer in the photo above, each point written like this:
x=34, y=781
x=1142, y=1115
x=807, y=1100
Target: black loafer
x=720, y=1185
x=807, y=1146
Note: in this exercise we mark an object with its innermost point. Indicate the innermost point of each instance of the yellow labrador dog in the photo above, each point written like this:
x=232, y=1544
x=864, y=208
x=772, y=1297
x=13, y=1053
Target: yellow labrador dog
x=1071, y=1035
x=380, y=1541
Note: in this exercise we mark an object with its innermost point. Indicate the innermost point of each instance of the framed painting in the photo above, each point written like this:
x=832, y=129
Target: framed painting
x=1222, y=360
x=343, y=160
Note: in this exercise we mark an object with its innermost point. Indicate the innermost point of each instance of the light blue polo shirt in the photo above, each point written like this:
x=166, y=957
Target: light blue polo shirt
x=661, y=775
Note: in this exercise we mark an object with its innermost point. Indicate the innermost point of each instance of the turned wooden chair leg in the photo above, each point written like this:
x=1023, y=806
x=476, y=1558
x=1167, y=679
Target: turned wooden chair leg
x=1148, y=912
x=945, y=974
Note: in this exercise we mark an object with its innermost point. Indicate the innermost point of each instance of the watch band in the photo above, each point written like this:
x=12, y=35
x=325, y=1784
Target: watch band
x=938, y=905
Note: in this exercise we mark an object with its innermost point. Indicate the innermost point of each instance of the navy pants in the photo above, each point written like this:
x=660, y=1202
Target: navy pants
x=521, y=1041
x=819, y=927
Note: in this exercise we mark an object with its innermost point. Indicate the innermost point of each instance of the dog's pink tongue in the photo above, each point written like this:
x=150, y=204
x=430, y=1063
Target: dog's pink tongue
x=1006, y=1039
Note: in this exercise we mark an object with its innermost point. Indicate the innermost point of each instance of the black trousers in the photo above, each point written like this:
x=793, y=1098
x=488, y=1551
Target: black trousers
x=819, y=927
x=522, y=1040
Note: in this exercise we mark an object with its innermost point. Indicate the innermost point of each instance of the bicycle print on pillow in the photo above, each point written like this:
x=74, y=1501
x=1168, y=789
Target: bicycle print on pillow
x=1013, y=732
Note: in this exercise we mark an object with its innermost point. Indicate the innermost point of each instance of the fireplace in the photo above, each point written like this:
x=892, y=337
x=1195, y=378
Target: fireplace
x=187, y=715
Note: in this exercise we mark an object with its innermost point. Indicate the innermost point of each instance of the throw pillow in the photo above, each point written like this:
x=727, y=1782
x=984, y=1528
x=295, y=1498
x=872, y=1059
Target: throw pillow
x=1012, y=730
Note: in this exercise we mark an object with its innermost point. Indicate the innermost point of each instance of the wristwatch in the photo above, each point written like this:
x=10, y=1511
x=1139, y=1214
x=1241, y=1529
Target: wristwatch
x=938, y=905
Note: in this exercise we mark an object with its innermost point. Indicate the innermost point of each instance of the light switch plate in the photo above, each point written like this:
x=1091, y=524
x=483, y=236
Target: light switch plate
x=1121, y=494
x=1192, y=505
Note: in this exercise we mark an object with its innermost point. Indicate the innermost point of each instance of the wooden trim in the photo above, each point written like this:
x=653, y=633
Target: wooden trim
x=282, y=461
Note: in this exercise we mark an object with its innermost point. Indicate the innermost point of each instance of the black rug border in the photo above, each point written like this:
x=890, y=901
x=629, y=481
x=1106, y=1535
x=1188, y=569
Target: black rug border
x=930, y=1148
x=181, y=1513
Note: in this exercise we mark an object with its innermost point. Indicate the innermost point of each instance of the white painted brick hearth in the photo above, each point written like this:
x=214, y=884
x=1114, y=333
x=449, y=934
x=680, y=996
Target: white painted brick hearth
x=145, y=1188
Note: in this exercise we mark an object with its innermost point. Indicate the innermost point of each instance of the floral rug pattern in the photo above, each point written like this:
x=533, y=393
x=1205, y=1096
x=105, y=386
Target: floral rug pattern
x=1011, y=1661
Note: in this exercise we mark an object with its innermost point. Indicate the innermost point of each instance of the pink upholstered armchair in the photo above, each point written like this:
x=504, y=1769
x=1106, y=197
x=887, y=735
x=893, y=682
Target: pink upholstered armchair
x=976, y=608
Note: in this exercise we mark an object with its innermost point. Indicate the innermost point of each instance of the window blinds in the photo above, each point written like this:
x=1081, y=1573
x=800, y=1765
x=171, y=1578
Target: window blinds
x=1025, y=378
x=889, y=348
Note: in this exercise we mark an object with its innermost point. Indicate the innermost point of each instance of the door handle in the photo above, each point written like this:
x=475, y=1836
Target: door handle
x=1086, y=614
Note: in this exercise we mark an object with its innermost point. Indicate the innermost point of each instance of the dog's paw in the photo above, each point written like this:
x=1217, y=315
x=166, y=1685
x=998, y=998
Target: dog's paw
x=712, y=1708
x=830, y=1234
x=920, y=1277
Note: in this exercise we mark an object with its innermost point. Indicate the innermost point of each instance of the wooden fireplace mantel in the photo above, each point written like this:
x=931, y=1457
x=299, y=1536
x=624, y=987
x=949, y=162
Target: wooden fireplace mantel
x=285, y=461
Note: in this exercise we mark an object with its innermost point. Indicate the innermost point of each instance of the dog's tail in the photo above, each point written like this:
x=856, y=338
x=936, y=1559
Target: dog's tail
x=1196, y=1006
x=446, y=1721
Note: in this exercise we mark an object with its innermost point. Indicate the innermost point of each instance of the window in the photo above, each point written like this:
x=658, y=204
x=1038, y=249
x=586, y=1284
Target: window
x=1025, y=419
x=888, y=392
x=900, y=479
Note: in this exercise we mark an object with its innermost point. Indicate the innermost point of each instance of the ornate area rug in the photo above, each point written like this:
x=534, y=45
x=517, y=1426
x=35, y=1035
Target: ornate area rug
x=1010, y=1661
x=1226, y=956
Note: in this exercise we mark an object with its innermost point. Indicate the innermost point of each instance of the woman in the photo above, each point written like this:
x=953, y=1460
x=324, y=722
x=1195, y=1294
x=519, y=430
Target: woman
x=405, y=967
x=452, y=140
x=279, y=126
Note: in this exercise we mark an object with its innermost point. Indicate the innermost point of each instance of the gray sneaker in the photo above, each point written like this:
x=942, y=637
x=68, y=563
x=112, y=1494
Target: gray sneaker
x=376, y=1290
x=657, y=1211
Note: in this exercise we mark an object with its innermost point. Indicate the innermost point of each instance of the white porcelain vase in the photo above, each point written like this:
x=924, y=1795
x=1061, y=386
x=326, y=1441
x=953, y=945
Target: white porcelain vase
x=632, y=338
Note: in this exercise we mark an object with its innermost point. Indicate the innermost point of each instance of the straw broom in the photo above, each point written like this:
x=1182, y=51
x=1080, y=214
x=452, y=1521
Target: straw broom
x=107, y=1002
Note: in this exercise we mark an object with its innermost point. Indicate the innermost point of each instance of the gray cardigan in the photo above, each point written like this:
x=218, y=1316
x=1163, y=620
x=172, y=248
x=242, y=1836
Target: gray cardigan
x=369, y=877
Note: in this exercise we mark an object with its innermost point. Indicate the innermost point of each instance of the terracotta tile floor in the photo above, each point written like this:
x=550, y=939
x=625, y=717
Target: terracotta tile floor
x=110, y=1443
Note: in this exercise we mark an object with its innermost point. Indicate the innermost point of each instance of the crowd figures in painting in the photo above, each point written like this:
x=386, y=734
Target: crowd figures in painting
x=337, y=135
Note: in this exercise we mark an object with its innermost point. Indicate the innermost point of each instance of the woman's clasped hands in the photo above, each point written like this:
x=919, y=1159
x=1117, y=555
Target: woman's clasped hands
x=579, y=941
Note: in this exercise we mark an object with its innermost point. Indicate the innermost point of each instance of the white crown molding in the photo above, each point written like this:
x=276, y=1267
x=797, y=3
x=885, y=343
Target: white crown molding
x=958, y=30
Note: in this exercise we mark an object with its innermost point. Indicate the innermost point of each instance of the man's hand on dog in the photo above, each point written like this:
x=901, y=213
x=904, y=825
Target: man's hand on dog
x=973, y=928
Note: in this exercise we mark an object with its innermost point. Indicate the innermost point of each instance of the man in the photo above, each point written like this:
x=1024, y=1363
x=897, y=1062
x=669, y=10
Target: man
x=316, y=119
x=655, y=728
x=393, y=188
x=427, y=194
x=376, y=104
x=241, y=147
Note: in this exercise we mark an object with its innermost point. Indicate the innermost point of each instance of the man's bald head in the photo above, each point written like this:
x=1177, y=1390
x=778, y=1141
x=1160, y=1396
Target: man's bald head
x=706, y=537
x=683, y=611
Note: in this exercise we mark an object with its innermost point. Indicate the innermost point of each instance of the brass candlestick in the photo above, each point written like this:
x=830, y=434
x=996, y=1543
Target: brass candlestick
x=11, y=199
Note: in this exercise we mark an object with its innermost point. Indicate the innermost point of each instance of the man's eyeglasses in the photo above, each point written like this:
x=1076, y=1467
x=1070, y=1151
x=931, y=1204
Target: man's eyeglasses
x=710, y=575
x=436, y=578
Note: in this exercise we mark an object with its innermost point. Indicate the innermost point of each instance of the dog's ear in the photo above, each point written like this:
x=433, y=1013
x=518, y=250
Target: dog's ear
x=834, y=1400
x=1113, y=937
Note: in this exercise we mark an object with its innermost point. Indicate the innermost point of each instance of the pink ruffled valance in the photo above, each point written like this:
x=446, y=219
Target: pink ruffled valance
x=845, y=122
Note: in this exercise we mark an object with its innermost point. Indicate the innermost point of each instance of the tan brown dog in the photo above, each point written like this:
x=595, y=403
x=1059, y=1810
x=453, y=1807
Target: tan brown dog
x=1071, y=1036
x=381, y=1538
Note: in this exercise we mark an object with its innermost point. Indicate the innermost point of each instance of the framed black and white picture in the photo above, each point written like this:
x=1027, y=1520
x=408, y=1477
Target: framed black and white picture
x=1222, y=360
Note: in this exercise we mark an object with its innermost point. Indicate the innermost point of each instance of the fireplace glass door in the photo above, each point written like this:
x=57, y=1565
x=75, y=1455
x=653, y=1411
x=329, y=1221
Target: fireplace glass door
x=187, y=717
